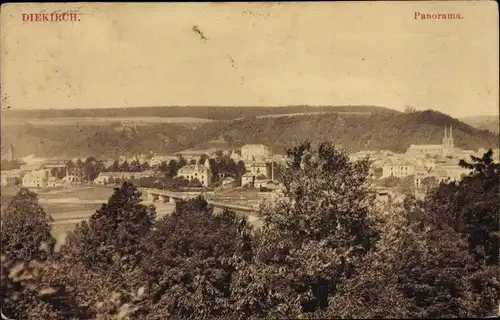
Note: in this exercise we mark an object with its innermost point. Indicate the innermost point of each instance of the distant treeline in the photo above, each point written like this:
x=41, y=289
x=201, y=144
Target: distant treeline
x=383, y=130
x=207, y=112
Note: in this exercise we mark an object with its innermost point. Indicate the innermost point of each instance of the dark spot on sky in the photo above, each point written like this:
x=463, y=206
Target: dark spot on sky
x=198, y=31
x=232, y=62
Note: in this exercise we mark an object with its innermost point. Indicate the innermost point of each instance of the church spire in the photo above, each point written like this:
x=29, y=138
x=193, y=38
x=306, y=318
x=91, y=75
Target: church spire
x=445, y=138
x=450, y=138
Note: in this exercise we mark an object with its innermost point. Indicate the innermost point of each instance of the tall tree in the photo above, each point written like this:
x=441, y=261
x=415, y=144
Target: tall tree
x=116, y=228
x=468, y=211
x=190, y=266
x=108, y=250
x=26, y=230
x=442, y=251
x=125, y=167
x=115, y=166
x=312, y=239
x=30, y=289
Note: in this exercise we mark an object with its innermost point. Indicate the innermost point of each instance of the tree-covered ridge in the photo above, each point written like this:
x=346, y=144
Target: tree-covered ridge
x=378, y=130
x=326, y=250
x=107, y=141
x=387, y=131
x=205, y=112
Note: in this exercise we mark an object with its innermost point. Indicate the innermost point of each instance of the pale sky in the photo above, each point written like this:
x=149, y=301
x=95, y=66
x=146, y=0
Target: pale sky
x=256, y=54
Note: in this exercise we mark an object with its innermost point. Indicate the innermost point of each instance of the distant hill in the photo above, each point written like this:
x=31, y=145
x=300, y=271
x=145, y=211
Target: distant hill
x=100, y=141
x=387, y=130
x=490, y=123
x=205, y=112
x=378, y=130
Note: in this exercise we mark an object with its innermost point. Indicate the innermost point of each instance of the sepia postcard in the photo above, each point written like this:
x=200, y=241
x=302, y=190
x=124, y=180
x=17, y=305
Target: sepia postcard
x=250, y=160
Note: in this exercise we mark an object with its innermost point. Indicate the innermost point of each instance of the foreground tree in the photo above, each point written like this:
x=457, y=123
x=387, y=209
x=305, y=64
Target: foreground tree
x=29, y=286
x=101, y=259
x=312, y=240
x=25, y=228
x=190, y=265
x=441, y=253
x=468, y=212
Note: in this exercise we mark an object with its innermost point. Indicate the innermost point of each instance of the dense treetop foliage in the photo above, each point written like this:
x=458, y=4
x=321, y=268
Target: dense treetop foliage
x=326, y=249
x=25, y=228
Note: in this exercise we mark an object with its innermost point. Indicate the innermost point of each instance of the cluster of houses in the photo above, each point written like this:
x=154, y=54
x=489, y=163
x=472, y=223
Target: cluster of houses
x=419, y=162
x=44, y=174
x=257, y=159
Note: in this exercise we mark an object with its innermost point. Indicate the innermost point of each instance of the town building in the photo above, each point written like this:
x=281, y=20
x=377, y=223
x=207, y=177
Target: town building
x=257, y=168
x=444, y=149
x=247, y=180
x=398, y=169
x=71, y=179
x=36, y=178
x=54, y=182
x=11, y=177
x=202, y=173
x=55, y=168
x=108, y=177
x=382, y=194
x=255, y=152
x=453, y=172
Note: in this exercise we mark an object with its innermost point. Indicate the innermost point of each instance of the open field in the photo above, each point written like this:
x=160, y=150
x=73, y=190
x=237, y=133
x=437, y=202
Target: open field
x=68, y=206
x=311, y=114
x=103, y=120
x=6, y=121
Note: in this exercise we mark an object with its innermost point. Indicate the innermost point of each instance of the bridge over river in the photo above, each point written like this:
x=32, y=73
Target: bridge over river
x=164, y=200
x=165, y=196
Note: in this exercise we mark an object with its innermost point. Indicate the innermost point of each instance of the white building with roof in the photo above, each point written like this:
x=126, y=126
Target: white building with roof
x=398, y=169
x=454, y=172
x=71, y=179
x=255, y=152
x=202, y=173
x=36, y=178
x=106, y=177
x=11, y=177
x=257, y=168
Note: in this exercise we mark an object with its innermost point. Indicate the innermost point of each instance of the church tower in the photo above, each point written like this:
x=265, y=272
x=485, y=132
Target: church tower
x=450, y=139
x=448, y=144
x=11, y=153
x=445, y=138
